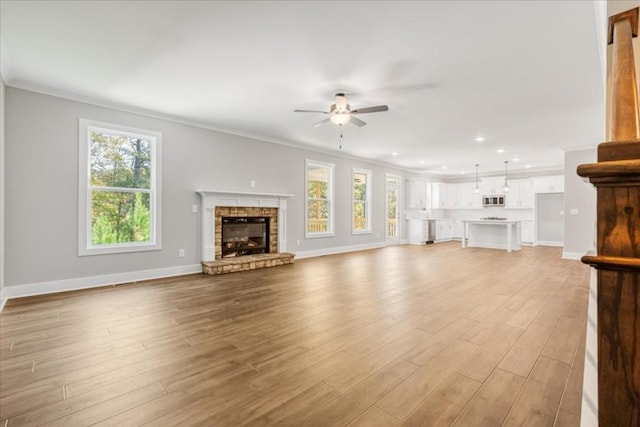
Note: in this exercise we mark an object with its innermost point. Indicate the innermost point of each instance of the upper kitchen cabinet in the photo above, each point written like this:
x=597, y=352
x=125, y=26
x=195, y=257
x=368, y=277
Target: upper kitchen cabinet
x=438, y=199
x=521, y=194
x=452, y=201
x=416, y=193
x=491, y=186
x=467, y=199
x=549, y=184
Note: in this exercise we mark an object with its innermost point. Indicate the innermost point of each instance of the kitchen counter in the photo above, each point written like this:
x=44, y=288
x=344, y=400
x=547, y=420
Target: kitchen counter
x=492, y=233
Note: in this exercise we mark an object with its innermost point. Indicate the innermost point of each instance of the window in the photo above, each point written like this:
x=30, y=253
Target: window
x=319, y=199
x=361, y=201
x=119, y=189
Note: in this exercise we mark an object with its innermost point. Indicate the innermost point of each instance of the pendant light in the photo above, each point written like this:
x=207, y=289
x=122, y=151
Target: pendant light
x=476, y=190
x=506, y=187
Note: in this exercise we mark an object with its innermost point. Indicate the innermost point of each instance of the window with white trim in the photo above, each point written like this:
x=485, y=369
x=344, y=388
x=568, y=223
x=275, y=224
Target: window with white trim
x=319, y=199
x=361, y=201
x=120, y=189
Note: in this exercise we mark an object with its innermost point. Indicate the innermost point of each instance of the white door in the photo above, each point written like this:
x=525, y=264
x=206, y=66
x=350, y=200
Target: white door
x=392, y=211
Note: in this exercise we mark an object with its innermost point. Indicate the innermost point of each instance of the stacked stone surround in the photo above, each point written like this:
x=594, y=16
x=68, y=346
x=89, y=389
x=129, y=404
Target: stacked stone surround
x=246, y=262
x=271, y=213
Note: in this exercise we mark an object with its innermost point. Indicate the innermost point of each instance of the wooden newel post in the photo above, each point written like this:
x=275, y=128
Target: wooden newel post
x=617, y=180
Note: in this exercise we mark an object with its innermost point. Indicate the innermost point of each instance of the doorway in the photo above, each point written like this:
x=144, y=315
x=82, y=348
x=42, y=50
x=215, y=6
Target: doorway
x=392, y=212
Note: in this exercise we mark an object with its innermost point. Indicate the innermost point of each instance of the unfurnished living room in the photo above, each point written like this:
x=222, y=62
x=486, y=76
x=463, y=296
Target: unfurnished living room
x=319, y=213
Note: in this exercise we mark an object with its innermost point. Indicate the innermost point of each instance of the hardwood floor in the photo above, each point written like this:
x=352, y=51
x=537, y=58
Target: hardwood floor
x=405, y=335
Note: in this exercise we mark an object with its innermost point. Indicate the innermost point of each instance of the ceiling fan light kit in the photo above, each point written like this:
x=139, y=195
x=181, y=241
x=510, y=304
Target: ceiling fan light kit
x=341, y=113
x=340, y=119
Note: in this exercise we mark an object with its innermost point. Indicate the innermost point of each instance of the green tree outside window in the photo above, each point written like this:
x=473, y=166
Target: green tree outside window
x=120, y=179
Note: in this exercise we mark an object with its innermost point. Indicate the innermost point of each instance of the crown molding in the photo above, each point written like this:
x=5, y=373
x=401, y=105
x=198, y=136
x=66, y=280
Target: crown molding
x=195, y=123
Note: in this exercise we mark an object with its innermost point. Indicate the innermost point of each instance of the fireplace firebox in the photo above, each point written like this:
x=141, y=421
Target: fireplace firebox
x=244, y=236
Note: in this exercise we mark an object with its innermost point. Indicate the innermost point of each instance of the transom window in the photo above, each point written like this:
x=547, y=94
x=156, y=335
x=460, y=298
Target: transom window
x=319, y=199
x=119, y=189
x=361, y=201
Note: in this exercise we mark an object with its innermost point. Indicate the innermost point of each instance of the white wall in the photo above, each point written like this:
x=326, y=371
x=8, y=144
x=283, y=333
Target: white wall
x=580, y=196
x=42, y=190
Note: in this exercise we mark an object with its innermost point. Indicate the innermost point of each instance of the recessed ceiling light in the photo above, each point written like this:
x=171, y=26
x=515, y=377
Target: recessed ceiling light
x=444, y=167
x=461, y=172
x=527, y=166
x=501, y=150
x=480, y=139
x=394, y=153
x=516, y=159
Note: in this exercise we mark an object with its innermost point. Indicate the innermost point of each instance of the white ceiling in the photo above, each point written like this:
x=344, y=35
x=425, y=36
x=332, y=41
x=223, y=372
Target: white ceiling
x=525, y=75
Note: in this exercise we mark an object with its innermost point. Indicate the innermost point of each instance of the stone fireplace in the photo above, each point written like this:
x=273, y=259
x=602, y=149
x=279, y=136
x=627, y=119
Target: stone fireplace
x=217, y=205
x=237, y=221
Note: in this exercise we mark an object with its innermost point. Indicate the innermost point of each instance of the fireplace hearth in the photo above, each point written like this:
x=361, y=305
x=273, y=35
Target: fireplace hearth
x=220, y=204
x=244, y=236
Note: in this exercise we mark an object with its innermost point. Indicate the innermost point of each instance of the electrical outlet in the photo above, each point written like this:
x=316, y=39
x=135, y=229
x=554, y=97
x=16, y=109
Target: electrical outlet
x=253, y=183
x=573, y=211
x=194, y=208
x=181, y=253
x=298, y=242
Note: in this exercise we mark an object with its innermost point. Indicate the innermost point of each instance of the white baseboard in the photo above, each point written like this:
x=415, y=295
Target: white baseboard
x=549, y=243
x=41, y=288
x=491, y=246
x=572, y=255
x=339, y=250
x=3, y=299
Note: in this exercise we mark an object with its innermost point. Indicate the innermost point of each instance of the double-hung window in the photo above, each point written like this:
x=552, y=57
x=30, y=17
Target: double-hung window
x=120, y=189
x=361, y=212
x=319, y=199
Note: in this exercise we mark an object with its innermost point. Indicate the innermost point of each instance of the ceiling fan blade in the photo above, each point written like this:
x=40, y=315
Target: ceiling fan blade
x=376, y=109
x=321, y=122
x=310, y=111
x=356, y=121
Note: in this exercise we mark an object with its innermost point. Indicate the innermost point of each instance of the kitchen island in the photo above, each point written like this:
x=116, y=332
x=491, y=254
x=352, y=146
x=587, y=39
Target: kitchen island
x=492, y=233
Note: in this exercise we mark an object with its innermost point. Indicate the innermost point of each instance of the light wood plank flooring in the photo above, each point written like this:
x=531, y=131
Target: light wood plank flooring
x=406, y=335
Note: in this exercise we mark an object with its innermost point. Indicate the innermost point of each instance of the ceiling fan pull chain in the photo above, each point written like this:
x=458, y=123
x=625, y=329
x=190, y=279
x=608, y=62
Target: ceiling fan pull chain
x=340, y=138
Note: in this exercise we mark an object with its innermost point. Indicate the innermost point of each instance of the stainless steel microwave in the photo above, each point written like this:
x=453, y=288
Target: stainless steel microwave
x=494, y=200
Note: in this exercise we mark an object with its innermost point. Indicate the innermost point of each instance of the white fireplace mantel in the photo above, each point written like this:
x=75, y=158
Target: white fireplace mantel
x=212, y=199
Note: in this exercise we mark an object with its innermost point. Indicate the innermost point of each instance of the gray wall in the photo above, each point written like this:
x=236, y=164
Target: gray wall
x=579, y=230
x=2, y=180
x=549, y=218
x=42, y=188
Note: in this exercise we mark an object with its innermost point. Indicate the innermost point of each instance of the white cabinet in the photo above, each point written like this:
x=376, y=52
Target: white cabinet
x=451, y=201
x=467, y=199
x=444, y=229
x=416, y=193
x=458, y=229
x=438, y=197
x=521, y=194
x=455, y=196
x=549, y=184
x=418, y=231
x=526, y=232
x=491, y=186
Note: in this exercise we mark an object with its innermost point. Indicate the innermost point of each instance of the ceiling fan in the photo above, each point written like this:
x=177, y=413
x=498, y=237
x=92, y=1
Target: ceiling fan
x=341, y=113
